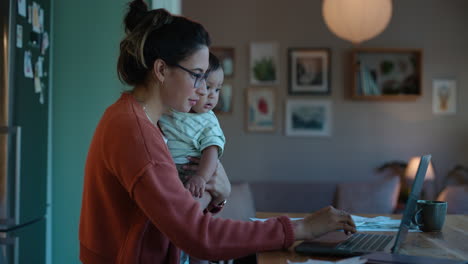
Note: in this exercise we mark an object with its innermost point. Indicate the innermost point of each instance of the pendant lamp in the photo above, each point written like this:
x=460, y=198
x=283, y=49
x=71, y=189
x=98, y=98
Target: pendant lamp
x=357, y=20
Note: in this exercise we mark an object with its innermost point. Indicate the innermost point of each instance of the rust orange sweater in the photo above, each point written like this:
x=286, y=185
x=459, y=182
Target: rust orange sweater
x=136, y=210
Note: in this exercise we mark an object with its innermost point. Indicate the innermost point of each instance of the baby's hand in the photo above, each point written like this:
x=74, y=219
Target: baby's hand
x=196, y=185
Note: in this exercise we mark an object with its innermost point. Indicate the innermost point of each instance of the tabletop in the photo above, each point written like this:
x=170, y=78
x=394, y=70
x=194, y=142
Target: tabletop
x=451, y=242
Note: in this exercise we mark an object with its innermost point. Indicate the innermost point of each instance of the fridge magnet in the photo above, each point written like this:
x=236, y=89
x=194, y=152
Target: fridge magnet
x=28, y=71
x=35, y=18
x=29, y=14
x=224, y=105
x=309, y=71
x=22, y=8
x=444, y=96
x=264, y=63
x=260, y=109
x=308, y=118
x=19, y=36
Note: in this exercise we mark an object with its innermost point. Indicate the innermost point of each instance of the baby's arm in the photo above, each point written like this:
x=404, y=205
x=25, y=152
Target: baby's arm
x=208, y=162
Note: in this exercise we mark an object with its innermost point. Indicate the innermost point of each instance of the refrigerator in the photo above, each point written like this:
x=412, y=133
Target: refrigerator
x=24, y=80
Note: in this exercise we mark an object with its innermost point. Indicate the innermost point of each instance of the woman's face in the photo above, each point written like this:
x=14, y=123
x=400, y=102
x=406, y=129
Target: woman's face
x=178, y=91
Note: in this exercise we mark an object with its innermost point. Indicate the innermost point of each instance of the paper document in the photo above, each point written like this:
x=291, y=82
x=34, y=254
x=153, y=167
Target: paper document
x=379, y=223
x=353, y=260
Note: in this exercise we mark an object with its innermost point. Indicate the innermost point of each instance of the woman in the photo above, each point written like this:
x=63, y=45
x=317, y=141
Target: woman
x=135, y=209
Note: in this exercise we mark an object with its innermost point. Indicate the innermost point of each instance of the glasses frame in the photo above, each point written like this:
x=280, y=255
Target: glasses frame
x=197, y=76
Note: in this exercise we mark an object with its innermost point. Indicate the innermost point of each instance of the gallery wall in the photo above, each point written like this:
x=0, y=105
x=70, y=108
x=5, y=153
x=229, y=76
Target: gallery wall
x=365, y=134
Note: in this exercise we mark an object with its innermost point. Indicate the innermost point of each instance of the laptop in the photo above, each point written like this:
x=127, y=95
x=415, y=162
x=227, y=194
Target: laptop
x=362, y=243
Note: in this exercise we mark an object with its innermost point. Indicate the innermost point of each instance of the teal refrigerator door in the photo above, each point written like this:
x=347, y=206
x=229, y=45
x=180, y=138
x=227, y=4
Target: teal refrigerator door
x=24, y=245
x=30, y=107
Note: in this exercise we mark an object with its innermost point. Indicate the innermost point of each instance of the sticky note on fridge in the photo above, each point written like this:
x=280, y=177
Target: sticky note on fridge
x=28, y=70
x=22, y=8
x=39, y=67
x=35, y=17
x=45, y=42
x=19, y=36
x=41, y=20
x=29, y=14
x=41, y=98
x=37, y=85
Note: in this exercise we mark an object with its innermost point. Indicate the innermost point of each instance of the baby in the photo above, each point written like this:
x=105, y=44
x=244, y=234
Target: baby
x=197, y=134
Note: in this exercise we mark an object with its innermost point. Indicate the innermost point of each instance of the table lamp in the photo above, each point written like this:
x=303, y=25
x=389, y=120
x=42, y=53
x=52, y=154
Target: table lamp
x=410, y=174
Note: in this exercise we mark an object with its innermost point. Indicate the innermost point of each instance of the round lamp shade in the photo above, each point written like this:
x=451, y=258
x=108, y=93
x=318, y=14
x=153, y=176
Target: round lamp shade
x=357, y=20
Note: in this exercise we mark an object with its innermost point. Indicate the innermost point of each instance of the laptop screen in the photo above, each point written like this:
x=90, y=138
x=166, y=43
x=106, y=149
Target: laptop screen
x=410, y=207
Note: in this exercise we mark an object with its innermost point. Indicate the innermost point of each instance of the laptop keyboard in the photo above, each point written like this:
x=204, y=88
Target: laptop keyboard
x=365, y=242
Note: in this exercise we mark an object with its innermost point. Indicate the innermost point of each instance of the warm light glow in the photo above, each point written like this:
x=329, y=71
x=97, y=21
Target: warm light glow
x=412, y=167
x=357, y=20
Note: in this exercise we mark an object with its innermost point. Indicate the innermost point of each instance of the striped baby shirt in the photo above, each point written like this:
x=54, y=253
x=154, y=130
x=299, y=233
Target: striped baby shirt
x=189, y=133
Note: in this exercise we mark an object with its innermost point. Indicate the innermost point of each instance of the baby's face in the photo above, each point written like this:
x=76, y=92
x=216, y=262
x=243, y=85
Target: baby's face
x=213, y=85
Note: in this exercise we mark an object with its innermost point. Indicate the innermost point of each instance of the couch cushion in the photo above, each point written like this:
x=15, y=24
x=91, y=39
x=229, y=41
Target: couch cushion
x=376, y=197
x=292, y=197
x=240, y=204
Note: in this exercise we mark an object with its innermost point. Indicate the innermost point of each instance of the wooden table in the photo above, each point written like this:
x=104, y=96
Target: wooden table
x=451, y=243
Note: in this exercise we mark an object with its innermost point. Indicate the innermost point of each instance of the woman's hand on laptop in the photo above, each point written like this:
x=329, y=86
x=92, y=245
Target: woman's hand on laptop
x=323, y=221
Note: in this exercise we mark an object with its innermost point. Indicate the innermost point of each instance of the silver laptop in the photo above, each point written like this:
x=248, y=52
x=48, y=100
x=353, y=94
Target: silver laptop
x=362, y=243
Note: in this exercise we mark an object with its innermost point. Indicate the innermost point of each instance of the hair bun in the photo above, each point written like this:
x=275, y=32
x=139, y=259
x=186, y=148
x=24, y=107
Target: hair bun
x=137, y=10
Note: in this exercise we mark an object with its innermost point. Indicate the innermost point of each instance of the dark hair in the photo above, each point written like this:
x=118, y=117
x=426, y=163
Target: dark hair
x=152, y=35
x=214, y=63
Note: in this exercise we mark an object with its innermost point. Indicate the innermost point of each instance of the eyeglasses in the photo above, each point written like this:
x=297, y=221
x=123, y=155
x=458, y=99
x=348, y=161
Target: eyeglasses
x=199, y=77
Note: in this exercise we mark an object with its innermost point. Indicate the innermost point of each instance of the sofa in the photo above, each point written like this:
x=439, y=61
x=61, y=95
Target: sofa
x=378, y=196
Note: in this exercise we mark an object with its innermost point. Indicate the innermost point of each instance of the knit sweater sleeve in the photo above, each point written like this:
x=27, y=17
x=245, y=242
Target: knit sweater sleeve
x=161, y=196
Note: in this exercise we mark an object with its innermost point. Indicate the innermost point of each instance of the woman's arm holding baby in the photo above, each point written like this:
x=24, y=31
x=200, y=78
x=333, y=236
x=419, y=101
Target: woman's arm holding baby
x=207, y=167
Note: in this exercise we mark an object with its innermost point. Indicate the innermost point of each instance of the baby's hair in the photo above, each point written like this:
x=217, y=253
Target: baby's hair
x=214, y=63
x=155, y=34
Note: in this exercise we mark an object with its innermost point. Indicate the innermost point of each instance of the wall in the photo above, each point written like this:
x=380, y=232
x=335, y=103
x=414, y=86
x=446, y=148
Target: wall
x=365, y=134
x=86, y=39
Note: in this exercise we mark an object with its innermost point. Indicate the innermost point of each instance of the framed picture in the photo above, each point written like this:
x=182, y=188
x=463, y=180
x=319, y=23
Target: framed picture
x=226, y=58
x=309, y=71
x=225, y=99
x=444, y=96
x=308, y=117
x=386, y=74
x=264, y=63
x=261, y=109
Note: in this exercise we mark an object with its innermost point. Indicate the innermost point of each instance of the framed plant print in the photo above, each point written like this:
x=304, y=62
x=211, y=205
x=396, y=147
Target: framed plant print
x=308, y=118
x=261, y=109
x=264, y=63
x=444, y=96
x=226, y=58
x=224, y=105
x=309, y=71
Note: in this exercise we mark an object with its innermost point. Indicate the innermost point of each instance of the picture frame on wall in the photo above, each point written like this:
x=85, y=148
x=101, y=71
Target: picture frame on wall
x=225, y=100
x=309, y=71
x=444, y=96
x=264, y=63
x=261, y=109
x=382, y=74
x=308, y=118
x=226, y=58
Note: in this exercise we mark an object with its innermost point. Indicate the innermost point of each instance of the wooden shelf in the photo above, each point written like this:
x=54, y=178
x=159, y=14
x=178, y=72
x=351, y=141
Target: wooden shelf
x=380, y=74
